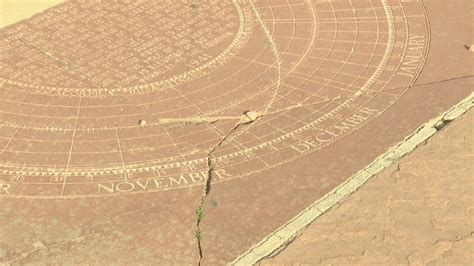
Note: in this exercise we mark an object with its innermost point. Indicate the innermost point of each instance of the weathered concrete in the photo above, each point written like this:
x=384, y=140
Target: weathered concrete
x=418, y=212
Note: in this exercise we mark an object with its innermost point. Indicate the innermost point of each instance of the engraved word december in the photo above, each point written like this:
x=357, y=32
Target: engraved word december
x=335, y=131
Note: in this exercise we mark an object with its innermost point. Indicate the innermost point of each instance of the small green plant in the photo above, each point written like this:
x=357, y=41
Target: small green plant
x=200, y=214
x=198, y=235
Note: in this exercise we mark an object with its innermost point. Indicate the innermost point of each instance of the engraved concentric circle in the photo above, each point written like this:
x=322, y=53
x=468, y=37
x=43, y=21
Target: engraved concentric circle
x=295, y=77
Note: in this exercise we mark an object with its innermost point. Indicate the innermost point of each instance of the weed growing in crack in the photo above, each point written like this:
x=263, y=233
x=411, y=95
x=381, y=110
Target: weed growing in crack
x=247, y=118
x=198, y=235
x=200, y=214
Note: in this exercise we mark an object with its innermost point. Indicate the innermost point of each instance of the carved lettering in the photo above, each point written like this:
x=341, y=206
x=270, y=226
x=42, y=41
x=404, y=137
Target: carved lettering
x=413, y=57
x=155, y=183
x=335, y=131
x=5, y=188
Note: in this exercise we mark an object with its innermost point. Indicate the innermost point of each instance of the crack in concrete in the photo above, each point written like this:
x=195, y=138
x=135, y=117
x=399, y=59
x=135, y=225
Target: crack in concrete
x=88, y=232
x=444, y=80
x=361, y=254
x=416, y=258
x=283, y=247
x=280, y=237
x=39, y=246
x=248, y=117
x=433, y=82
x=69, y=65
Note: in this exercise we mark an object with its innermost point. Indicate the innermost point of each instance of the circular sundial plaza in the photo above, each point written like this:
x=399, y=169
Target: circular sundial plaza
x=100, y=98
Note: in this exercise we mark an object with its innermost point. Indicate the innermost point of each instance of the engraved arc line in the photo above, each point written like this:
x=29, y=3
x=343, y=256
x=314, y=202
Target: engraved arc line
x=370, y=81
x=156, y=85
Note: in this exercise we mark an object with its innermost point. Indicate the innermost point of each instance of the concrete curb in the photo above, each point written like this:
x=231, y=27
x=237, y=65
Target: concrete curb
x=289, y=231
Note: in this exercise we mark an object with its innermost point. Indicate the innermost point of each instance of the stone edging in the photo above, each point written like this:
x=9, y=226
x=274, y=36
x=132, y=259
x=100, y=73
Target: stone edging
x=280, y=238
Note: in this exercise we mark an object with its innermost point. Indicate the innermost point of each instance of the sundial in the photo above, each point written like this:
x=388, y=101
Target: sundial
x=313, y=72
x=117, y=100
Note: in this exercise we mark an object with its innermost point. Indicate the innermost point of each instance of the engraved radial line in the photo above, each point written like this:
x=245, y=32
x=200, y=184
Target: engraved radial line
x=323, y=82
x=333, y=42
x=10, y=140
x=279, y=66
x=174, y=143
x=72, y=145
x=121, y=152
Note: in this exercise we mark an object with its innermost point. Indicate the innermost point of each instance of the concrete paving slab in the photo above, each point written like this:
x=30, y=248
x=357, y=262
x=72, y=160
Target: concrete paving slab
x=179, y=132
x=417, y=212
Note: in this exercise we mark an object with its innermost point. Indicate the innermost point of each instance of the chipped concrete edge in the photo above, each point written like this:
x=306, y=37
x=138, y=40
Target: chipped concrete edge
x=284, y=235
